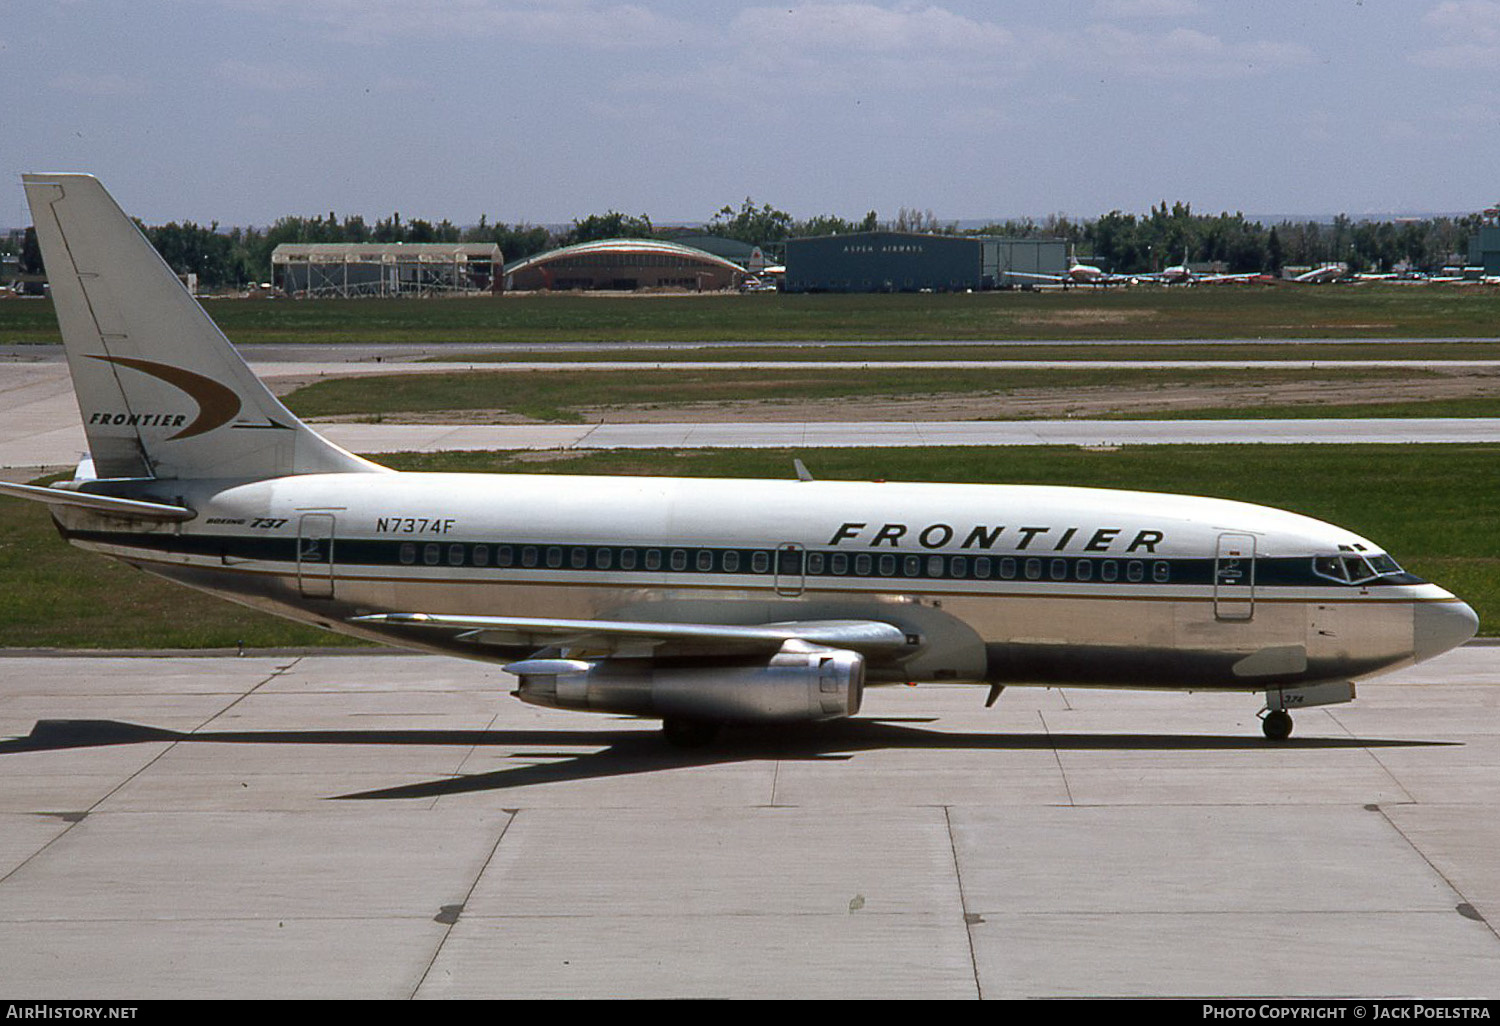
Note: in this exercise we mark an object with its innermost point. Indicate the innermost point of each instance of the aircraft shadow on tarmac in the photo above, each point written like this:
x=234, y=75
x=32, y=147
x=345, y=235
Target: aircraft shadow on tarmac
x=627, y=752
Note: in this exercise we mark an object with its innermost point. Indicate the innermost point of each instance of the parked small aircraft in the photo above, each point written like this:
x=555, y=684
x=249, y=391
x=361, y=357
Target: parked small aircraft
x=1182, y=274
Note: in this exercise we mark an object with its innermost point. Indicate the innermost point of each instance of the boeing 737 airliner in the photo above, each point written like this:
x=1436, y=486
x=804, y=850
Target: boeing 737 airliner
x=699, y=602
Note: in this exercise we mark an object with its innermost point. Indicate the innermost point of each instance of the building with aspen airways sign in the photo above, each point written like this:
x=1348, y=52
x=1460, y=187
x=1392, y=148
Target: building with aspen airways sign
x=911, y=262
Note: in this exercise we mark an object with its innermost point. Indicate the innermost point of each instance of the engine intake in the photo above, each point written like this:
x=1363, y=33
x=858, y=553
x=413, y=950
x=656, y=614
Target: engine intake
x=801, y=683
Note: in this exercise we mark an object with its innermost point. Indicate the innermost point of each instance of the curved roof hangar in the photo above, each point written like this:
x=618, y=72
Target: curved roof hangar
x=623, y=264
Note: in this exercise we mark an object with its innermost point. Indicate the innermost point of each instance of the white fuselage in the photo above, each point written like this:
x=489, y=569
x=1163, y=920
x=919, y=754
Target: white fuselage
x=1011, y=584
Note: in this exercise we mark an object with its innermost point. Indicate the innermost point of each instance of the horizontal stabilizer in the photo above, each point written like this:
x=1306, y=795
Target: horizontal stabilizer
x=135, y=509
x=865, y=636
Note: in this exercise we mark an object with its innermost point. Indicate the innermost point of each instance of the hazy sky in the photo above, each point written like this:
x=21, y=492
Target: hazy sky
x=239, y=111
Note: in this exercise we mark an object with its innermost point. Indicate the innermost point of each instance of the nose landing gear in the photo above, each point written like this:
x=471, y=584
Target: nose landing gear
x=1276, y=724
x=1276, y=721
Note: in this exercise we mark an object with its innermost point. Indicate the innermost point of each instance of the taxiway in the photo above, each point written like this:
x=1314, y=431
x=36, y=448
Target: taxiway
x=393, y=826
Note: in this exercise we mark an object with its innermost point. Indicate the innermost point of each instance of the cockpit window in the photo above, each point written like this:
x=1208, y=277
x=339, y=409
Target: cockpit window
x=1330, y=566
x=1347, y=568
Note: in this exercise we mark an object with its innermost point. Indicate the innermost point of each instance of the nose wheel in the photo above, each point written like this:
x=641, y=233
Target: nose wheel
x=1276, y=724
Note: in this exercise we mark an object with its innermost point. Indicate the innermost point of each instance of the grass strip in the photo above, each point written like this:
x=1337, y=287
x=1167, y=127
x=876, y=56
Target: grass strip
x=559, y=396
x=1287, y=311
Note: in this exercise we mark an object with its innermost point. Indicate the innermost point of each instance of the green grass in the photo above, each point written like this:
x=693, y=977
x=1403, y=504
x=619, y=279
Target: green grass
x=1361, y=311
x=53, y=595
x=554, y=395
x=853, y=352
x=1433, y=507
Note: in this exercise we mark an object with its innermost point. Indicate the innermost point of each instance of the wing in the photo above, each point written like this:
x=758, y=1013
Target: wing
x=1220, y=279
x=867, y=637
x=1036, y=276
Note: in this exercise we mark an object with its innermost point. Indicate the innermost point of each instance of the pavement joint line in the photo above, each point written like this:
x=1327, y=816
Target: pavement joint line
x=1463, y=899
x=277, y=672
x=458, y=770
x=511, y=817
x=141, y=769
x=1057, y=758
x=963, y=902
x=159, y=755
x=1332, y=714
x=578, y=443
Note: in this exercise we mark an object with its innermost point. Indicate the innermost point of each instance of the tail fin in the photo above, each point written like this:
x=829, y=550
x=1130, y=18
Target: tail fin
x=162, y=392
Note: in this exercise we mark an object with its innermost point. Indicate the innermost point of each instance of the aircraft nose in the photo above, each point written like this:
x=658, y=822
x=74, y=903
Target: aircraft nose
x=1440, y=626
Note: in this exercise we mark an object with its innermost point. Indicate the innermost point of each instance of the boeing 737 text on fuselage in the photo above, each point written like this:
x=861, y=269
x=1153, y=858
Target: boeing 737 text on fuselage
x=699, y=602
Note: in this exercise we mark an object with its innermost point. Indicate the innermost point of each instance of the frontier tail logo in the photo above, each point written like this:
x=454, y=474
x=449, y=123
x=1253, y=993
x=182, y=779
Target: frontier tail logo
x=217, y=405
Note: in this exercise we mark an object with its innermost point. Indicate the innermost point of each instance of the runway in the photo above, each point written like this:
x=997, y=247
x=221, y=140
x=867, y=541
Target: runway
x=391, y=826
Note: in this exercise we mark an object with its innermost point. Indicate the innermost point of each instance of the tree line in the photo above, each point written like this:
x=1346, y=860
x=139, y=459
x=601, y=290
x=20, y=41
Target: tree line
x=1128, y=244
x=1120, y=242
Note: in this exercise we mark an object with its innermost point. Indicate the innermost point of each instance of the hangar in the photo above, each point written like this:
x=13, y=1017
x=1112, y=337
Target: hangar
x=624, y=264
x=346, y=269
x=1484, y=250
x=912, y=262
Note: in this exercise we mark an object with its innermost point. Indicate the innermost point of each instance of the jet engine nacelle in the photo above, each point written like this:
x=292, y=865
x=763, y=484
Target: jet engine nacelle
x=800, y=683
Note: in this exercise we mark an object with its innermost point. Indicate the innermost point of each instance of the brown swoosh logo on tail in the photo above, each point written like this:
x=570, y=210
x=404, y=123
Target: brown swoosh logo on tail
x=217, y=405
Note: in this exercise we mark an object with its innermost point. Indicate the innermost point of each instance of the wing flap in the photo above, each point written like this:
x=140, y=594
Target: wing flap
x=865, y=636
